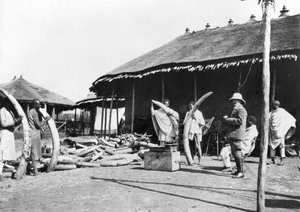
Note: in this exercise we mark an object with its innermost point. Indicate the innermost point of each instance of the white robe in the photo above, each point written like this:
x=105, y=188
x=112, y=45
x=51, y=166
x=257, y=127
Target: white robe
x=280, y=123
x=7, y=139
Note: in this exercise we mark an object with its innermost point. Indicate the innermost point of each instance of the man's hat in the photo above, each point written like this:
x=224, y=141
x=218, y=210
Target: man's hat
x=237, y=96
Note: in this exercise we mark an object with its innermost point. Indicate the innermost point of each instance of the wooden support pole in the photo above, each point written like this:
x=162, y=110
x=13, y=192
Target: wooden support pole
x=93, y=114
x=265, y=107
x=117, y=108
x=132, y=107
x=102, y=116
x=162, y=87
x=53, y=112
x=75, y=121
x=195, y=86
x=110, y=110
x=27, y=109
x=105, y=120
x=273, y=85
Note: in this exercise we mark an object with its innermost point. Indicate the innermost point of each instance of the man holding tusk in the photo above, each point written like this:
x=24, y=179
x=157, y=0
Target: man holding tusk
x=165, y=123
x=195, y=131
x=237, y=129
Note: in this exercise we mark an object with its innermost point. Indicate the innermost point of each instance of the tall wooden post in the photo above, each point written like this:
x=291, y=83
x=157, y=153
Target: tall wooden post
x=117, y=108
x=273, y=94
x=110, y=110
x=265, y=107
x=162, y=87
x=27, y=109
x=75, y=121
x=102, y=115
x=195, y=86
x=53, y=112
x=105, y=120
x=132, y=107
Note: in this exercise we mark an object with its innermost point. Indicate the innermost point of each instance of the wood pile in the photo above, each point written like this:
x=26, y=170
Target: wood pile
x=81, y=152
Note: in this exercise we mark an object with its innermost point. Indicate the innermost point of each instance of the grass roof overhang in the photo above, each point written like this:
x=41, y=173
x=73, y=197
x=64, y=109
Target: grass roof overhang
x=86, y=103
x=214, y=49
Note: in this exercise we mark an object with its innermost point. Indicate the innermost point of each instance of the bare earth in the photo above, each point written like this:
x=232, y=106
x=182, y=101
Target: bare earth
x=131, y=188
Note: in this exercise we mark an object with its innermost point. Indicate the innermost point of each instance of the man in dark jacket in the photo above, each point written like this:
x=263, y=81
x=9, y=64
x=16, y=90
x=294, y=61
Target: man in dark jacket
x=237, y=129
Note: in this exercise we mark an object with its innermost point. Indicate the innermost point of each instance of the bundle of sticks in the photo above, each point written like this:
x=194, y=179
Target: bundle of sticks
x=81, y=152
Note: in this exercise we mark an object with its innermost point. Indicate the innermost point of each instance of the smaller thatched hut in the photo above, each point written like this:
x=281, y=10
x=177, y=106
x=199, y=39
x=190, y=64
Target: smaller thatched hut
x=111, y=109
x=25, y=92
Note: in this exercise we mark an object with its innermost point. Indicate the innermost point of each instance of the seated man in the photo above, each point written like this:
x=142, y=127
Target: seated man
x=250, y=135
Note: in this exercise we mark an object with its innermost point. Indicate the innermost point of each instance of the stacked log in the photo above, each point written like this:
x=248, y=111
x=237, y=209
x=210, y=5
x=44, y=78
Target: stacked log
x=118, y=151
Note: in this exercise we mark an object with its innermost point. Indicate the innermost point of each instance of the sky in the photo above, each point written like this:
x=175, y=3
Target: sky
x=65, y=45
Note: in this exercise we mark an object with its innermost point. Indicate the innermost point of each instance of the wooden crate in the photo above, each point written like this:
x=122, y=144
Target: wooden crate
x=162, y=161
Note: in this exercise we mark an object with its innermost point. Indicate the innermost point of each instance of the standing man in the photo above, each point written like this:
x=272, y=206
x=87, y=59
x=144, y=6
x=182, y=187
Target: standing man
x=282, y=126
x=7, y=139
x=247, y=145
x=237, y=128
x=36, y=123
x=165, y=123
x=195, y=131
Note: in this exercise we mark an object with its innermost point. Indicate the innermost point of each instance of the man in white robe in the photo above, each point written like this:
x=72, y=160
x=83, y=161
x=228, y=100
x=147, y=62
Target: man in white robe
x=165, y=124
x=282, y=127
x=195, y=131
x=7, y=139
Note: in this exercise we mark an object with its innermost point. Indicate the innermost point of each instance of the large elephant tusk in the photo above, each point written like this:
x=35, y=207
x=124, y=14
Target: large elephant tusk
x=55, y=141
x=26, y=135
x=187, y=124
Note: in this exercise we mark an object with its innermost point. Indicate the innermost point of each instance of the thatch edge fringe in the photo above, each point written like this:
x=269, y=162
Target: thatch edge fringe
x=192, y=68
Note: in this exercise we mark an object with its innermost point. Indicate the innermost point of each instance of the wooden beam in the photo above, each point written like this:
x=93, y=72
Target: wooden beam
x=261, y=182
x=132, y=106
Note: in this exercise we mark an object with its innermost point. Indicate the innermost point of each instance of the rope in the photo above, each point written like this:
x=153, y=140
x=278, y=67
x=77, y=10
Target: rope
x=240, y=85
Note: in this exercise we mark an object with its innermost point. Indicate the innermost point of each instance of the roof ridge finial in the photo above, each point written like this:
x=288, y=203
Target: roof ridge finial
x=284, y=12
x=230, y=22
x=187, y=30
x=207, y=26
x=252, y=18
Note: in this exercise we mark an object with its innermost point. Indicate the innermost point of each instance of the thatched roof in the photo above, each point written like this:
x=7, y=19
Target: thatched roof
x=25, y=91
x=215, y=48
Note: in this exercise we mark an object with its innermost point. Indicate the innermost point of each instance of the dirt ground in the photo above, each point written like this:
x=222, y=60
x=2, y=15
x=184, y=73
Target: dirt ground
x=131, y=188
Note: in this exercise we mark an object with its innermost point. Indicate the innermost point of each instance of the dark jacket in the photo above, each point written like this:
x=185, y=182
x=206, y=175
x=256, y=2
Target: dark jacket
x=237, y=123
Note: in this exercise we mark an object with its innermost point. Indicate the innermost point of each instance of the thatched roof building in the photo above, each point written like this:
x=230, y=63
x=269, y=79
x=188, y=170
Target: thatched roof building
x=223, y=60
x=25, y=92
